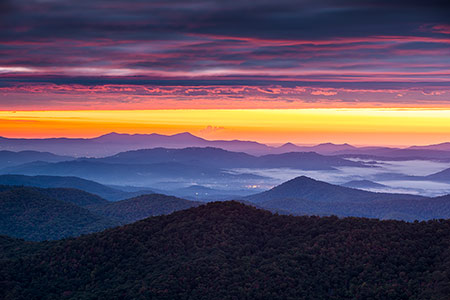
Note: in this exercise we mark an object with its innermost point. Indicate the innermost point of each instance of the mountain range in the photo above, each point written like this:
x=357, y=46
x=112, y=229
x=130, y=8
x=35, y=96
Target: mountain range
x=219, y=158
x=38, y=213
x=113, y=143
x=160, y=167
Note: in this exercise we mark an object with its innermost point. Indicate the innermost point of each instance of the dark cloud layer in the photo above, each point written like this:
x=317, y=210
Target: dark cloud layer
x=395, y=44
x=265, y=19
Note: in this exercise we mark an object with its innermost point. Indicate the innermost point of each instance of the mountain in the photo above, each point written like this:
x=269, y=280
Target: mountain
x=52, y=213
x=210, y=157
x=419, y=153
x=304, y=161
x=363, y=184
x=176, y=139
x=410, y=210
x=10, y=158
x=309, y=189
x=288, y=147
x=306, y=196
x=228, y=250
x=73, y=196
x=440, y=147
x=93, y=187
x=219, y=158
x=394, y=153
x=131, y=210
x=442, y=176
x=59, y=146
x=396, y=209
x=324, y=149
x=32, y=214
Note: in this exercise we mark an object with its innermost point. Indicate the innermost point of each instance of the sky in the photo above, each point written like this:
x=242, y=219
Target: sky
x=193, y=58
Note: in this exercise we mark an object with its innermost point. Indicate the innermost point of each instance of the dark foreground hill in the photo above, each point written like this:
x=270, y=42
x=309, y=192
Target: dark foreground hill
x=226, y=250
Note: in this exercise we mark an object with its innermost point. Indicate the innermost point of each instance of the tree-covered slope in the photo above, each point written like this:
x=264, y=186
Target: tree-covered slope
x=141, y=207
x=231, y=251
x=31, y=214
x=35, y=213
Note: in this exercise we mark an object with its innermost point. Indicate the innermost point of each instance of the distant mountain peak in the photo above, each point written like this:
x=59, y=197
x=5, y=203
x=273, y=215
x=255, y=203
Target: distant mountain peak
x=112, y=134
x=361, y=184
x=306, y=188
x=186, y=134
x=336, y=145
x=288, y=145
x=301, y=179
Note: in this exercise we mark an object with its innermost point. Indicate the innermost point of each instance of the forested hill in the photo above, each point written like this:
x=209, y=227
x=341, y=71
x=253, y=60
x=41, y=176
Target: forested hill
x=36, y=214
x=227, y=250
x=39, y=214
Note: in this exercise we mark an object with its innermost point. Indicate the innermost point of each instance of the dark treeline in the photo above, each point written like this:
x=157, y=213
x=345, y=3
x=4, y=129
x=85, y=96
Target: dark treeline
x=228, y=250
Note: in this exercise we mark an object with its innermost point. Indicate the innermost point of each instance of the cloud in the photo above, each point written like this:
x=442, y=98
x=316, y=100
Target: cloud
x=211, y=129
x=323, y=93
x=216, y=48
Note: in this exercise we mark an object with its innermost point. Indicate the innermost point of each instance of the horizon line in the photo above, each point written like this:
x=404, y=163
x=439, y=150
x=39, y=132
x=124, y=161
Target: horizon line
x=273, y=145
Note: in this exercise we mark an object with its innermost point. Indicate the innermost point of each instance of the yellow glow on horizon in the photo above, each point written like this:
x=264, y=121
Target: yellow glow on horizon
x=383, y=126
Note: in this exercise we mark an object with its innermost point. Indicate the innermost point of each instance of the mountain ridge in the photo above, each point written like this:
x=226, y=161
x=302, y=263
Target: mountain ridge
x=113, y=143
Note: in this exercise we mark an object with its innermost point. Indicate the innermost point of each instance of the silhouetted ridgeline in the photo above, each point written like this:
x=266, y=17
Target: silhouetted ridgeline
x=35, y=213
x=138, y=208
x=228, y=250
x=10, y=158
x=45, y=181
x=113, y=143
